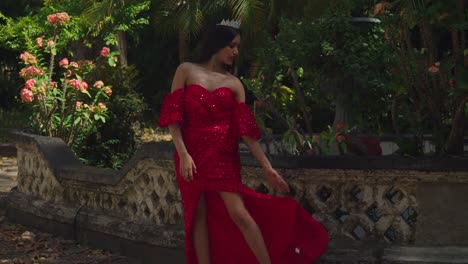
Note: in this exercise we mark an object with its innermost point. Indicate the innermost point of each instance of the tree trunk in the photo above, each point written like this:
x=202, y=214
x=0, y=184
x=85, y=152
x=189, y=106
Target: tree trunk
x=122, y=46
x=457, y=135
x=341, y=111
x=394, y=113
x=184, y=40
x=80, y=52
x=301, y=101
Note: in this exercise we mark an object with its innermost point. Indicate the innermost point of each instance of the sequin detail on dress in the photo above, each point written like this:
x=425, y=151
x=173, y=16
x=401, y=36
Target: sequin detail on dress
x=172, y=108
x=212, y=122
x=243, y=123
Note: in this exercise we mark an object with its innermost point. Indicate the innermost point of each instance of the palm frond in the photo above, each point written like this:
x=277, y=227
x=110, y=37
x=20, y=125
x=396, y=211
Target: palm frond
x=186, y=16
x=252, y=14
x=96, y=13
x=211, y=7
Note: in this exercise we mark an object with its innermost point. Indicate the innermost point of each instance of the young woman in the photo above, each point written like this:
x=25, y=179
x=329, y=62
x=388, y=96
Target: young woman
x=225, y=221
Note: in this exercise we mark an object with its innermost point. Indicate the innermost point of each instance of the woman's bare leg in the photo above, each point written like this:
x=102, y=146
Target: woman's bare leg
x=200, y=233
x=247, y=226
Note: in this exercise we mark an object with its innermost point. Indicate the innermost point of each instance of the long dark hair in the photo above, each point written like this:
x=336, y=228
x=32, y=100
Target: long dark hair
x=215, y=39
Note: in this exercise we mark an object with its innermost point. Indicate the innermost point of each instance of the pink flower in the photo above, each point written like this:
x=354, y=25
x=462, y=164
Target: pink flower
x=108, y=91
x=26, y=95
x=378, y=8
x=452, y=83
x=39, y=42
x=74, y=64
x=75, y=83
x=42, y=89
x=84, y=85
x=98, y=84
x=53, y=85
x=52, y=18
x=315, y=138
x=78, y=105
x=340, y=137
x=30, y=72
x=86, y=106
x=102, y=106
x=61, y=18
x=50, y=43
x=30, y=83
x=28, y=58
x=105, y=52
x=339, y=124
x=64, y=63
x=88, y=63
x=433, y=69
x=78, y=85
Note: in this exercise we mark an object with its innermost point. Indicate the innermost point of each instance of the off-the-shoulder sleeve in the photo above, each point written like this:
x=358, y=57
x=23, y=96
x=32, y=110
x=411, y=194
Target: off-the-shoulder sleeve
x=172, y=108
x=243, y=122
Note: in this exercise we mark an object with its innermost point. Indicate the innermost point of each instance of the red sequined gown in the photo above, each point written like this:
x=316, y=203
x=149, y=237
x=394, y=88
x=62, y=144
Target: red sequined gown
x=211, y=123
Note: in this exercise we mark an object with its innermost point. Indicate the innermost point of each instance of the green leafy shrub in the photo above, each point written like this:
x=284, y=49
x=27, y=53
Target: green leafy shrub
x=311, y=64
x=112, y=143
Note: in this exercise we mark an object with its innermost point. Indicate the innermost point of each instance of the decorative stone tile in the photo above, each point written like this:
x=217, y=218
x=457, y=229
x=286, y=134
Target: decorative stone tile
x=374, y=213
x=356, y=194
x=410, y=216
x=341, y=214
x=394, y=195
x=359, y=233
x=391, y=234
x=324, y=193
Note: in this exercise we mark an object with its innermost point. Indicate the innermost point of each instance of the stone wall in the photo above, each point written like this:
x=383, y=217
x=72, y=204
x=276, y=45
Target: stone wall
x=372, y=203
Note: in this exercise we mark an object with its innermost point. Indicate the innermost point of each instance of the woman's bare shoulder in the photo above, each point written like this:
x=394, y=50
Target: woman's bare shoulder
x=237, y=87
x=185, y=66
x=189, y=69
x=235, y=82
x=182, y=74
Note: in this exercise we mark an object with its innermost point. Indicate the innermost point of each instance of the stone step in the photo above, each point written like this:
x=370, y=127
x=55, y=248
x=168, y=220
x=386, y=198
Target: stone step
x=426, y=255
x=395, y=255
x=8, y=173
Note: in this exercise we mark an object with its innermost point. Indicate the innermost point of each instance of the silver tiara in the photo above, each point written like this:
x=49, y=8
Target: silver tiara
x=230, y=23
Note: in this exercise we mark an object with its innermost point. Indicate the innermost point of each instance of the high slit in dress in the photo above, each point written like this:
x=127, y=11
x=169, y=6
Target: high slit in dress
x=211, y=124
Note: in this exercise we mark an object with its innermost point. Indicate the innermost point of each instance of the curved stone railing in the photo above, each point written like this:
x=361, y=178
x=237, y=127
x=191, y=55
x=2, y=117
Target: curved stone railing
x=375, y=208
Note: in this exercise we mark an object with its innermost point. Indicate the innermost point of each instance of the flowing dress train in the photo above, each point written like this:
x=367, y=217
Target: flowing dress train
x=211, y=124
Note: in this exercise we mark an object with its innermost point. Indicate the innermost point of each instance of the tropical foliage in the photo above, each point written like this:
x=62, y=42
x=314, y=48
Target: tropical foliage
x=64, y=101
x=317, y=65
x=320, y=73
x=430, y=77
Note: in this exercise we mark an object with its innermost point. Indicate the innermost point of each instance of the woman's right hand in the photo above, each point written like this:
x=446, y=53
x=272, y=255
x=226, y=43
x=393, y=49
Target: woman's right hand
x=187, y=167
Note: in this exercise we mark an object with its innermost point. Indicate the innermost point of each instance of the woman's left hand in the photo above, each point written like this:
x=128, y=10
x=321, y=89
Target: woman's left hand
x=278, y=183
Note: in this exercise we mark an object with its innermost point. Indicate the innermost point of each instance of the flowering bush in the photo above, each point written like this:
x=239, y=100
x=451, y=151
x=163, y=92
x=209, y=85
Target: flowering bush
x=65, y=106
